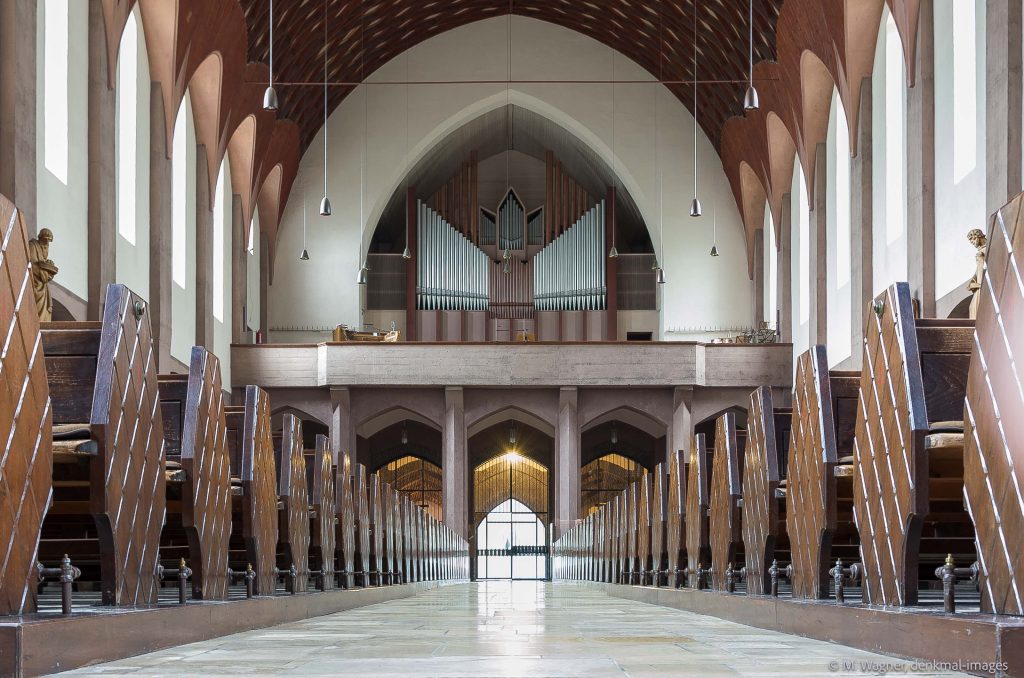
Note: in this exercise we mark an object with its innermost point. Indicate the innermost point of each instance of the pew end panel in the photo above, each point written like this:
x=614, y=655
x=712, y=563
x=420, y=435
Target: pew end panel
x=259, y=491
x=676, y=525
x=764, y=509
x=345, y=539
x=323, y=519
x=726, y=536
x=293, y=495
x=698, y=544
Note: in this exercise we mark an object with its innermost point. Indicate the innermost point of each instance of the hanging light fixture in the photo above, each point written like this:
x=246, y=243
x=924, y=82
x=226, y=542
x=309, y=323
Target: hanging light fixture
x=270, y=94
x=695, y=210
x=305, y=253
x=750, y=99
x=407, y=253
x=364, y=270
x=714, y=233
x=405, y=435
x=512, y=438
x=615, y=435
x=325, y=202
x=661, y=276
x=613, y=253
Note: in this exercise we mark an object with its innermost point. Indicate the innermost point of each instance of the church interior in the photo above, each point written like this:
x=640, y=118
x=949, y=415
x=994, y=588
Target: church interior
x=400, y=337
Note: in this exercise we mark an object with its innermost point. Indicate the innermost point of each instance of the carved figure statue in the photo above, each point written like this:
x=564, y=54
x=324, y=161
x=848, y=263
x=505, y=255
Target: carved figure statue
x=980, y=242
x=43, y=271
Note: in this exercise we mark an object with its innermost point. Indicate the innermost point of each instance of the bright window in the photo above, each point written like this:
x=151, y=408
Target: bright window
x=55, y=88
x=842, y=184
x=802, y=209
x=895, y=132
x=771, y=253
x=179, y=191
x=127, y=129
x=965, y=89
x=218, y=247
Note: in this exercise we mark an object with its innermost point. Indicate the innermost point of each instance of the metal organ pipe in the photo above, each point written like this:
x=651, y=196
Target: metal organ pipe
x=569, y=273
x=451, y=272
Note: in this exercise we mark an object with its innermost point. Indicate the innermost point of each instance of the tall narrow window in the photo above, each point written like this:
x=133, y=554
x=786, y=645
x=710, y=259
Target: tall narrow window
x=250, y=246
x=895, y=198
x=842, y=184
x=965, y=89
x=179, y=188
x=218, y=246
x=771, y=254
x=55, y=88
x=127, y=129
x=802, y=209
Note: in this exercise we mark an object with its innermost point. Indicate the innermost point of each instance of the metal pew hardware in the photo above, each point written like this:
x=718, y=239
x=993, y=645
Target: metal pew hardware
x=950, y=574
x=292, y=574
x=841, y=575
x=183, y=572
x=732, y=576
x=66, y=574
x=775, y=572
x=249, y=576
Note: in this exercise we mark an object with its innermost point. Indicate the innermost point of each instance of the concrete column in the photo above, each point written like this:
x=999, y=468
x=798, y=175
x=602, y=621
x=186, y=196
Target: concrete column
x=18, y=106
x=239, y=270
x=567, y=461
x=682, y=420
x=861, y=213
x=102, y=178
x=343, y=429
x=160, y=211
x=921, y=166
x=786, y=269
x=817, y=326
x=204, y=250
x=1004, y=90
x=759, y=277
x=455, y=462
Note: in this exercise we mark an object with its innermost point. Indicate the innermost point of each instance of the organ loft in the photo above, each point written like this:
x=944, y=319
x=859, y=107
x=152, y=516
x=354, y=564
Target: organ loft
x=511, y=337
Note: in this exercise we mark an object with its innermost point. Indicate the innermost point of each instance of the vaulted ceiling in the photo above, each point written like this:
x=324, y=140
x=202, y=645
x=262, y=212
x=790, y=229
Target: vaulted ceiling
x=365, y=34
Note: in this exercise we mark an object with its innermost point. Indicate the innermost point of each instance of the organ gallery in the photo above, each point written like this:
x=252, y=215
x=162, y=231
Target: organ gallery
x=511, y=338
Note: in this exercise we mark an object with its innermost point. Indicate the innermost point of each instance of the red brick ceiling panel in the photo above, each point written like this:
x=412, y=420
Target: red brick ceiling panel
x=820, y=45
x=657, y=35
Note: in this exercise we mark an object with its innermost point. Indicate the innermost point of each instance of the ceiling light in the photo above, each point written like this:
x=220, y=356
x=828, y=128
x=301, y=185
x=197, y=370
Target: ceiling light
x=750, y=99
x=270, y=94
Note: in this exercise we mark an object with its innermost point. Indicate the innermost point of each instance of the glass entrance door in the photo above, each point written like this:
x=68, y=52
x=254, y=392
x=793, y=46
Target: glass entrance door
x=511, y=544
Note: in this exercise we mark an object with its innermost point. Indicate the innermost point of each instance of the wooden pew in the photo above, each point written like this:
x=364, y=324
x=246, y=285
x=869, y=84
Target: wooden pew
x=764, y=502
x=408, y=534
x=396, y=536
x=363, y=545
x=375, y=500
x=819, y=474
x=697, y=526
x=254, y=527
x=345, y=537
x=645, y=557
x=726, y=503
x=293, y=502
x=417, y=544
x=908, y=448
x=601, y=543
x=321, y=474
x=198, y=475
x=26, y=420
x=994, y=418
x=614, y=540
x=103, y=383
x=624, y=537
x=659, y=525
x=631, y=533
x=675, y=524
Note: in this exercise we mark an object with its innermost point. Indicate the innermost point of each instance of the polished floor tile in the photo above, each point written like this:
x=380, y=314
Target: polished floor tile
x=528, y=629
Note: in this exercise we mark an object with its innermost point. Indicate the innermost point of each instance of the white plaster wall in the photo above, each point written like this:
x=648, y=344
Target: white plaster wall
x=800, y=262
x=838, y=244
x=889, y=188
x=132, y=259
x=959, y=194
x=63, y=206
x=183, y=297
x=701, y=291
x=222, y=325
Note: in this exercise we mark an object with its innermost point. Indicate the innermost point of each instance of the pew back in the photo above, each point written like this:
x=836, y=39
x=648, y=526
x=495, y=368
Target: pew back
x=726, y=491
x=322, y=498
x=761, y=475
x=259, y=490
x=659, y=514
x=698, y=547
x=345, y=540
x=676, y=525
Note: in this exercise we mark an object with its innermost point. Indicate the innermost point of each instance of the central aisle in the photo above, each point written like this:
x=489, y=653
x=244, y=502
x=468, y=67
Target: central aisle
x=506, y=629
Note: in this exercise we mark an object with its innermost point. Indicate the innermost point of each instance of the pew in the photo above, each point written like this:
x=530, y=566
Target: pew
x=726, y=490
x=908, y=448
x=763, y=518
x=993, y=428
x=818, y=482
x=698, y=545
x=645, y=557
x=26, y=421
x=363, y=547
x=103, y=384
x=409, y=510
x=675, y=525
x=321, y=477
x=198, y=475
x=659, y=525
x=612, y=527
x=418, y=518
x=601, y=543
x=397, y=554
x=630, y=526
x=375, y=500
x=254, y=526
x=345, y=535
x=293, y=505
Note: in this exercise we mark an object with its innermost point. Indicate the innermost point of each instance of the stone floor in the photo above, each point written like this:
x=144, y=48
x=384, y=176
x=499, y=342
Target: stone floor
x=509, y=629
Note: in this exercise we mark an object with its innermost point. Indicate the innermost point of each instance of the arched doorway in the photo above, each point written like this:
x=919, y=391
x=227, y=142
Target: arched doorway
x=511, y=517
x=418, y=479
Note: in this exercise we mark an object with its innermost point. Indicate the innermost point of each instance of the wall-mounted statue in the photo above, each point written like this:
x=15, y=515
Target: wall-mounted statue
x=977, y=238
x=43, y=271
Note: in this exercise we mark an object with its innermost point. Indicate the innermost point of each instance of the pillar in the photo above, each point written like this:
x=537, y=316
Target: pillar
x=861, y=214
x=567, y=461
x=921, y=167
x=817, y=324
x=455, y=462
x=759, y=277
x=239, y=271
x=204, y=250
x=1003, y=101
x=102, y=178
x=786, y=269
x=160, y=216
x=18, y=106
x=343, y=429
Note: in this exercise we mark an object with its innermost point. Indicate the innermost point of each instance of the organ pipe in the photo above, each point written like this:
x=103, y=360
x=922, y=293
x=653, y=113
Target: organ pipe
x=451, y=272
x=569, y=273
